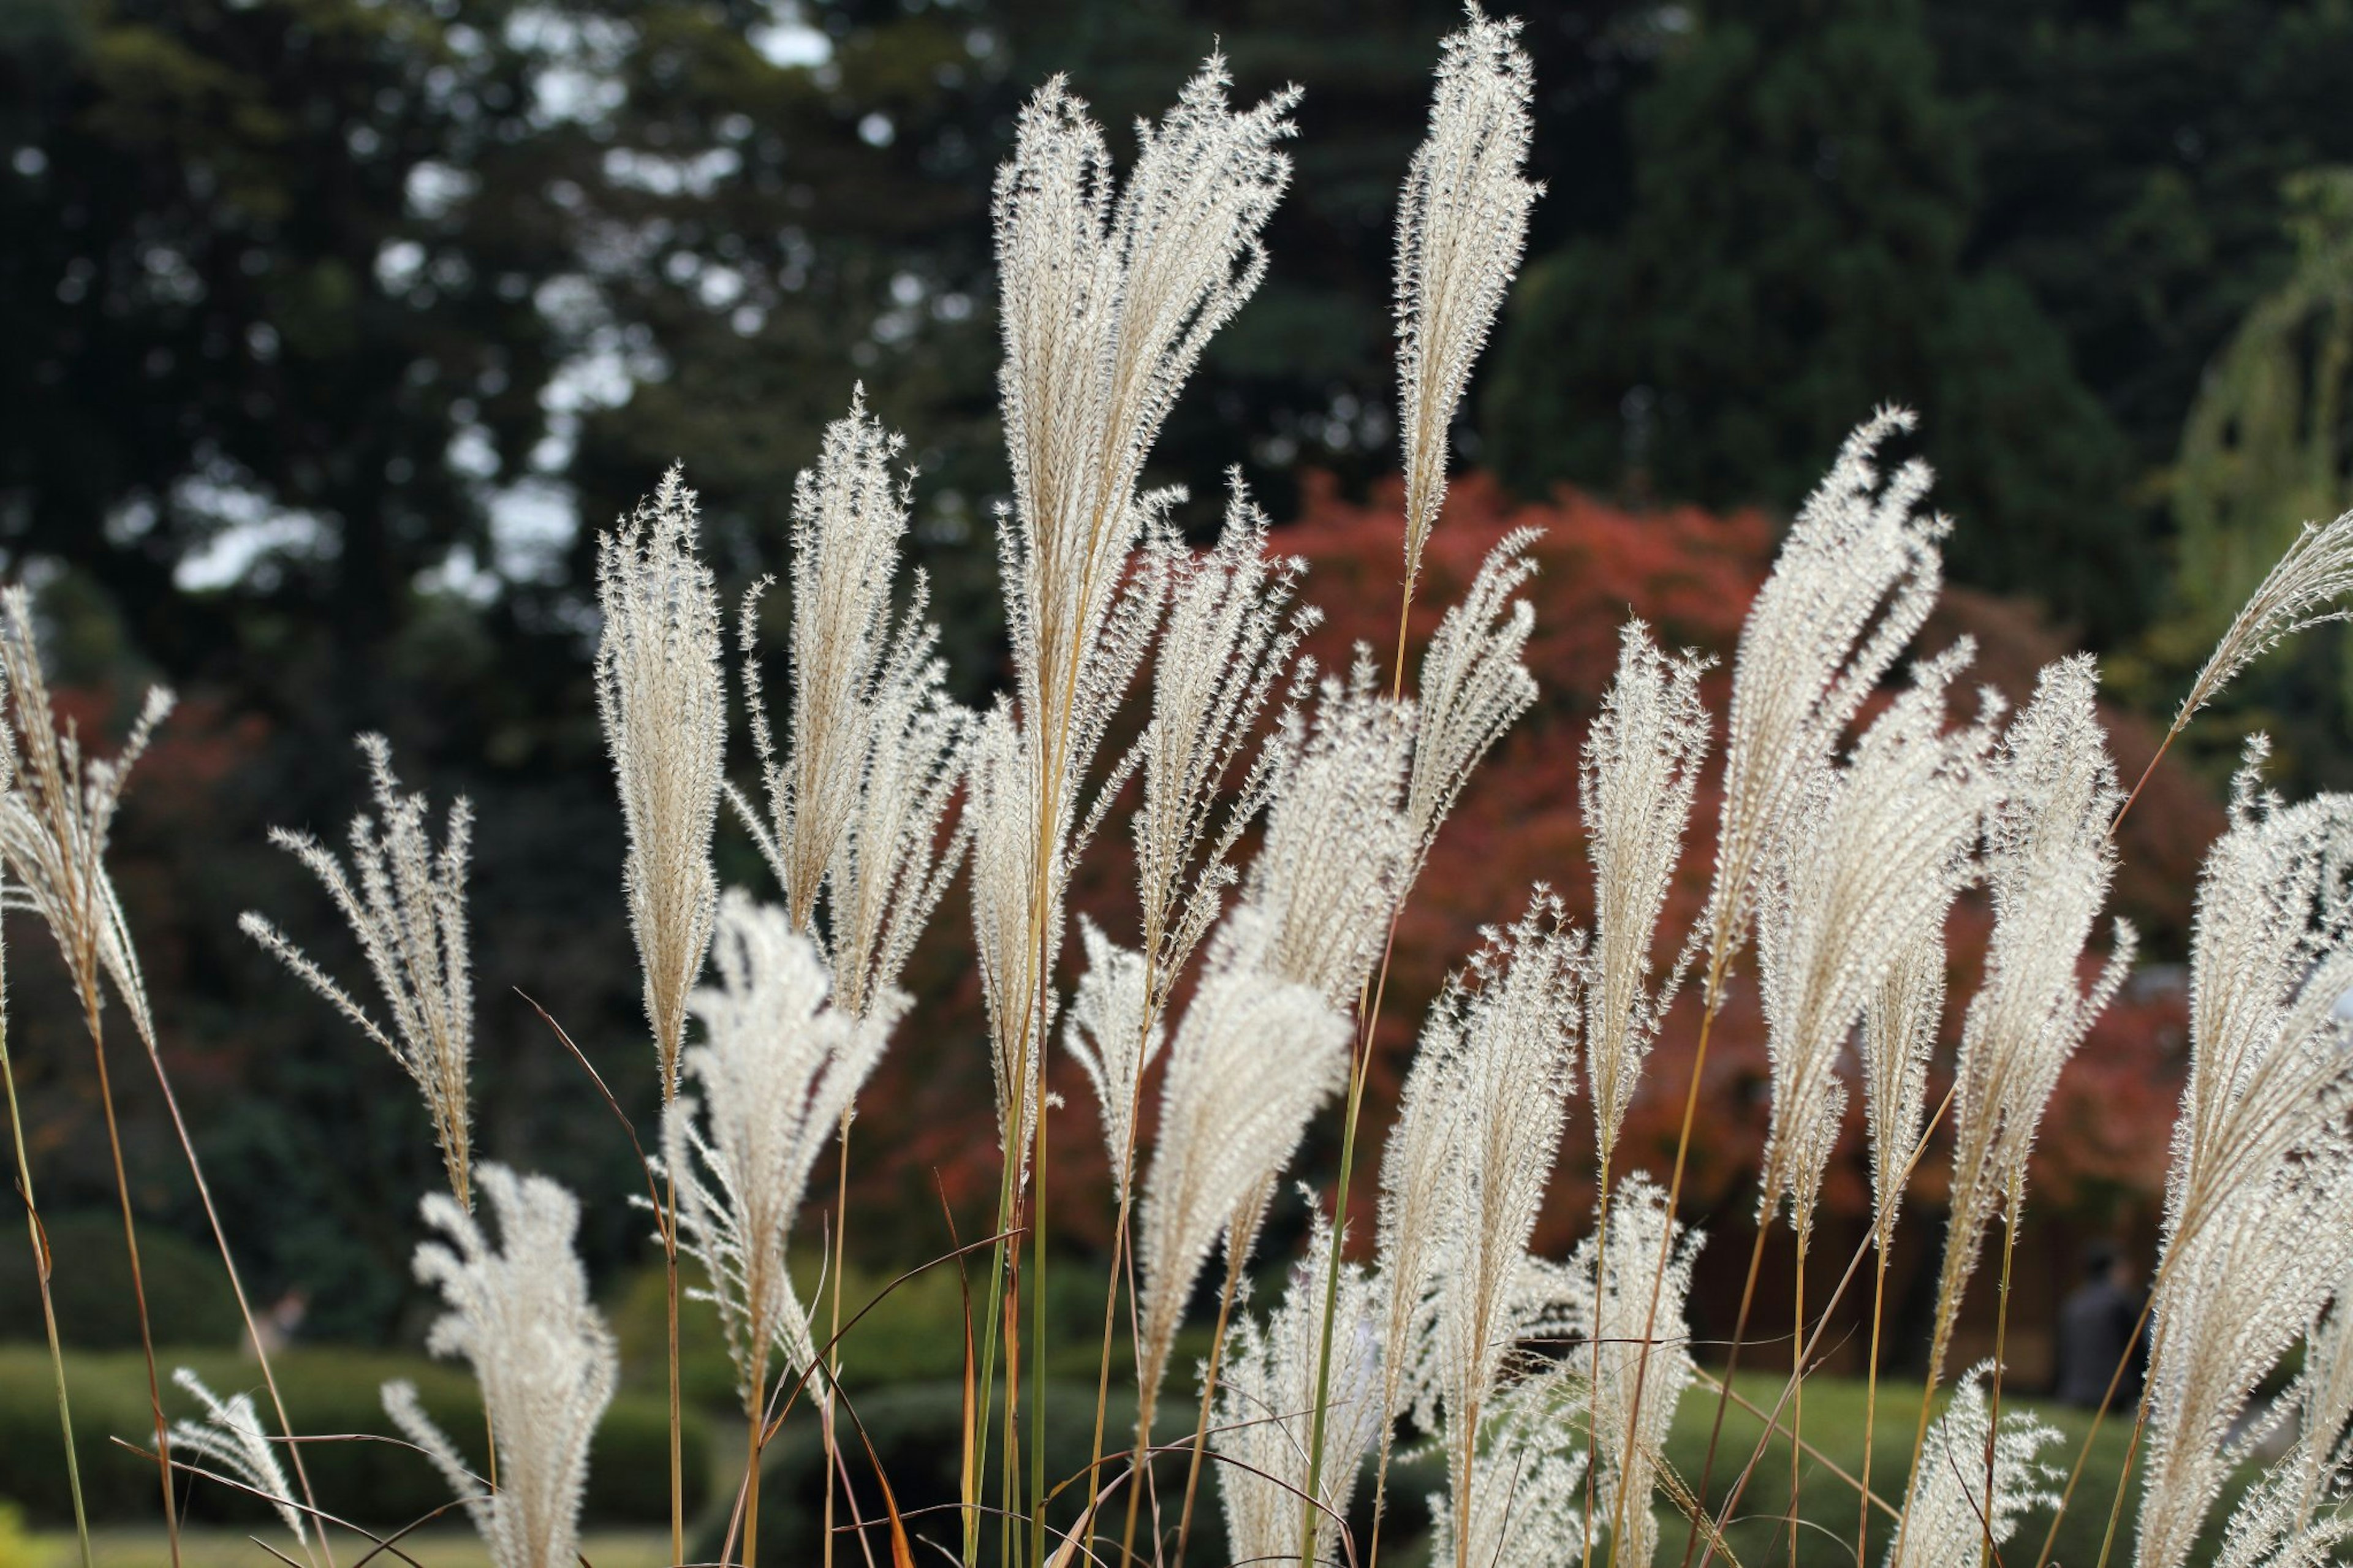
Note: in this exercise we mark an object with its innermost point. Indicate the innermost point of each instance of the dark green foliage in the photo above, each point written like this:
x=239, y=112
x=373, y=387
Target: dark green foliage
x=1795, y=256
x=379, y=1484
x=90, y=1287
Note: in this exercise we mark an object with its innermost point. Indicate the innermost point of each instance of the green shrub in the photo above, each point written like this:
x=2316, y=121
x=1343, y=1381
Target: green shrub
x=328, y=1392
x=89, y=1282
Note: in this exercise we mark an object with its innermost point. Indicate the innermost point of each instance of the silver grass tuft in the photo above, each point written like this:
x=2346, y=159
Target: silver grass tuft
x=1947, y=1523
x=1254, y=1055
x=780, y=1070
x=1527, y=1503
x=1473, y=686
x=1462, y=221
x=1855, y=578
x=2300, y=591
x=1874, y=854
x=2049, y=860
x=404, y=900
x=875, y=750
x=1266, y=1400
x=518, y=1311
x=1493, y=1073
x=2255, y=1242
x=1326, y=879
x=1636, y=778
x=662, y=700
x=1114, y=1033
x=1226, y=645
x=57, y=816
x=1639, y=1228
x=1899, y=1031
x=231, y=1437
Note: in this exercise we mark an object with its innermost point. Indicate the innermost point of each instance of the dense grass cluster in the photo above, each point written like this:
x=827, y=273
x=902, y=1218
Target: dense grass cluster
x=1543, y=1411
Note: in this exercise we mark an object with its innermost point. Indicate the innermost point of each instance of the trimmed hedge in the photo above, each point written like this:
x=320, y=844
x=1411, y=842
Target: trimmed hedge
x=328, y=1392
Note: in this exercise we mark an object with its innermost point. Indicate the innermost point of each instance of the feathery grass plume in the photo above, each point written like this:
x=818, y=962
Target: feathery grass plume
x=1226, y=644
x=2271, y=952
x=1474, y=685
x=1256, y=1053
x=519, y=1311
x=1947, y=1524
x=1857, y=576
x=1899, y=1031
x=2271, y=1528
x=1106, y=308
x=2049, y=860
x=2261, y=1152
x=2300, y=591
x=57, y=818
x=1462, y=220
x=849, y=517
x=1324, y=882
x=1636, y=777
x=2235, y=1295
x=1114, y=1035
x=662, y=700
x=1266, y=1399
x=1872, y=857
x=231, y=1437
x=1631, y=1440
x=2300, y=1509
x=406, y=901
x=875, y=750
x=1011, y=955
x=1527, y=1506
x=779, y=1070
x=1507, y=1056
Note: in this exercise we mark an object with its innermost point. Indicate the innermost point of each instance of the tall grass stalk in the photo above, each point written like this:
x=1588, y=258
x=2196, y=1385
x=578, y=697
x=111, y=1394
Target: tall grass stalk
x=41, y=1265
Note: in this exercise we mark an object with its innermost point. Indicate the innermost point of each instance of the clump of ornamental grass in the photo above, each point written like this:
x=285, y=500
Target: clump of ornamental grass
x=404, y=900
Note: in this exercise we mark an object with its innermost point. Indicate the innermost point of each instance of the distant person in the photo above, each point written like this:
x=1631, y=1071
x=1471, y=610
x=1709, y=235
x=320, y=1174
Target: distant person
x=2096, y=1325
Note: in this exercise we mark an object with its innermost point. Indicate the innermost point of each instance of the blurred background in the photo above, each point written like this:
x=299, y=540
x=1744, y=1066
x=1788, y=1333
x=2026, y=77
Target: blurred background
x=334, y=329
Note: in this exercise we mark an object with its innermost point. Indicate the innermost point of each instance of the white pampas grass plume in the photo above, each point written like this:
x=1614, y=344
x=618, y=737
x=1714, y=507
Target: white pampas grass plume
x=1106, y=308
x=1006, y=944
x=231, y=1437
x=1527, y=1503
x=1495, y=1067
x=2233, y=1298
x=2048, y=861
x=2272, y=1527
x=1325, y=880
x=1636, y=778
x=59, y=816
x=1226, y=644
x=404, y=900
x=849, y=516
x=1873, y=855
x=2272, y=954
x=1114, y=1033
x=780, y=1071
x=1947, y=1523
x=1264, y=1414
x=1254, y=1055
x=875, y=750
x=1855, y=578
x=662, y=700
x=1641, y=1232
x=1473, y=686
x=1899, y=1031
x=2300, y=591
x=2255, y=1242
x=1462, y=220
x=519, y=1311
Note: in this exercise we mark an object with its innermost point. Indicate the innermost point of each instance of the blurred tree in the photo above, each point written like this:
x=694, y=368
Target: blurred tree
x=1795, y=254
